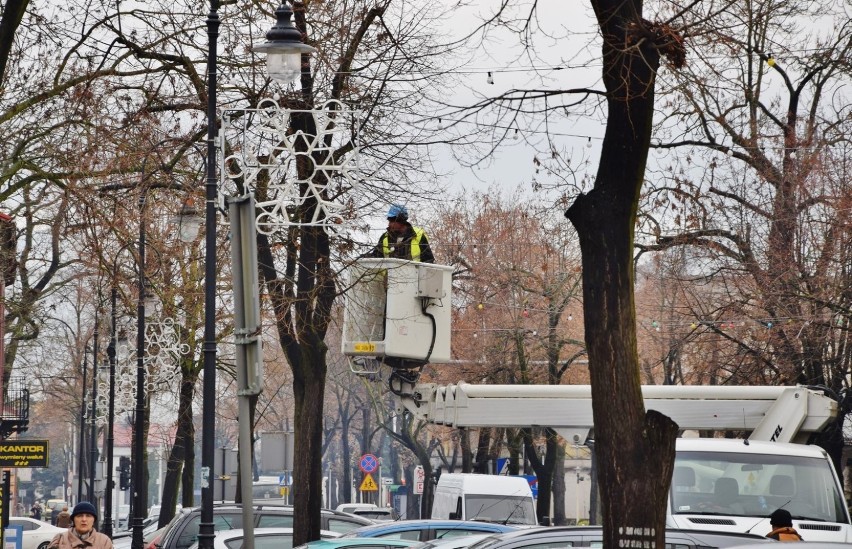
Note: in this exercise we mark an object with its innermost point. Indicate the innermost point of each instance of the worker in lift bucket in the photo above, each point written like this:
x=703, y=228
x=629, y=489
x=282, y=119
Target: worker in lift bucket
x=402, y=240
x=782, y=526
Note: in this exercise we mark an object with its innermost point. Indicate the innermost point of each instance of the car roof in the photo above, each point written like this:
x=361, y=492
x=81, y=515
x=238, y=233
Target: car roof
x=238, y=532
x=702, y=537
x=748, y=447
x=342, y=542
x=425, y=524
x=806, y=545
x=263, y=504
x=455, y=541
x=186, y=512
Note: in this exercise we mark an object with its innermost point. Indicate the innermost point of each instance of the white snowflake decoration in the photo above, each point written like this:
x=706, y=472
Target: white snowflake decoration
x=162, y=352
x=265, y=147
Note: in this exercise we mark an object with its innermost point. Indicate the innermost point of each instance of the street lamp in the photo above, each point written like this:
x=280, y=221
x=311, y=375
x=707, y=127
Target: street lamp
x=208, y=417
x=139, y=415
x=80, y=474
x=111, y=350
x=140, y=487
x=111, y=354
x=93, y=447
x=284, y=48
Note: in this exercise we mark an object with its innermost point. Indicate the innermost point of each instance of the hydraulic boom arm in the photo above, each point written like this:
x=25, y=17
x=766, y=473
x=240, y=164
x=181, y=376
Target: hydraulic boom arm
x=774, y=413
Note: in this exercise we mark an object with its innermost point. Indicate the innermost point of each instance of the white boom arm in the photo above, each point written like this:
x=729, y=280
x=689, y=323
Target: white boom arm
x=774, y=413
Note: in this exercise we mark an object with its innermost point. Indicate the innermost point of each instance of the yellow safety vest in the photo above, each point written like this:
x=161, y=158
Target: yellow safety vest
x=415, y=244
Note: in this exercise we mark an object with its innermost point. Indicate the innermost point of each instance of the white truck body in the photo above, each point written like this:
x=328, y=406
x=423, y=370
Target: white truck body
x=760, y=474
x=487, y=498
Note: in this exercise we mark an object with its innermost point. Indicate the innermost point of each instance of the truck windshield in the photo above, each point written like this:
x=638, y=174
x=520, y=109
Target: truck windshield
x=737, y=484
x=501, y=509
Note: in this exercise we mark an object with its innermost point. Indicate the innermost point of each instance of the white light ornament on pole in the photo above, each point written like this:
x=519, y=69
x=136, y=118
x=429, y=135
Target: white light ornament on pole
x=284, y=48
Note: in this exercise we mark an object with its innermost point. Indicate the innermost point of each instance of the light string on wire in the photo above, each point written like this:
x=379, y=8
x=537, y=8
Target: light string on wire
x=594, y=63
x=765, y=322
x=513, y=129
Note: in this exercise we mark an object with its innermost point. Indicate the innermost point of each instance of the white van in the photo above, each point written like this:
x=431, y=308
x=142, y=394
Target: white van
x=489, y=498
x=368, y=510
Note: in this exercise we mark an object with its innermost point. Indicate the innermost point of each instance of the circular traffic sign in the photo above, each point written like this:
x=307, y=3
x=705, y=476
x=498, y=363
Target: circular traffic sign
x=368, y=463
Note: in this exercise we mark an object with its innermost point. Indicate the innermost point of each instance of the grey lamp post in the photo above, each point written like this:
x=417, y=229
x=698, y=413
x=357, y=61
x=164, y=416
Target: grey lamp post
x=107, y=526
x=208, y=418
x=111, y=349
x=284, y=48
x=139, y=504
x=80, y=473
x=93, y=446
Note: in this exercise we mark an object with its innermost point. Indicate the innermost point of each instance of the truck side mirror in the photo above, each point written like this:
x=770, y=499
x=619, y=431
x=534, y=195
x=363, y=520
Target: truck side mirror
x=455, y=516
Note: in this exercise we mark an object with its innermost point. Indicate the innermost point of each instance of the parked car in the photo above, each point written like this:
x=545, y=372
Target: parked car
x=369, y=510
x=428, y=529
x=807, y=545
x=152, y=540
x=592, y=536
x=264, y=538
x=36, y=534
x=359, y=543
x=154, y=511
x=182, y=531
x=453, y=542
x=122, y=519
x=122, y=539
x=379, y=514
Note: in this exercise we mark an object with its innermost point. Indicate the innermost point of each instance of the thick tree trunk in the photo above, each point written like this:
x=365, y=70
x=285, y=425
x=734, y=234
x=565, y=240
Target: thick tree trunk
x=634, y=449
x=347, y=459
x=559, y=486
x=308, y=388
x=182, y=455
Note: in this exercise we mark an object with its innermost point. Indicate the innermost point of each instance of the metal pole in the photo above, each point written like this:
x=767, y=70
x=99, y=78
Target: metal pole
x=208, y=431
x=107, y=525
x=139, y=505
x=93, y=446
x=80, y=454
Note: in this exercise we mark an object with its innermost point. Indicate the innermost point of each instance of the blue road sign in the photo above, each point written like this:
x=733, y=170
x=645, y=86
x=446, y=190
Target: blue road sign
x=368, y=463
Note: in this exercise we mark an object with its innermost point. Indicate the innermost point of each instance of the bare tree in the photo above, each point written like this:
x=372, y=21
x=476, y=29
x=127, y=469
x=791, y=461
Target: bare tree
x=758, y=192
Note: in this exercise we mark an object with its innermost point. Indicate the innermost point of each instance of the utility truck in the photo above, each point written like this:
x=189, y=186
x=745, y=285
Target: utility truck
x=398, y=313
x=718, y=484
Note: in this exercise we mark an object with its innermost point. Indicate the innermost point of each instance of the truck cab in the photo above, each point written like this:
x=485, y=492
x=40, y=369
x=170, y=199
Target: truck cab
x=734, y=485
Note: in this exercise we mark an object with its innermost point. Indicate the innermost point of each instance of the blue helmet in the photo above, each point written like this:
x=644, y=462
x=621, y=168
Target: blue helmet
x=398, y=212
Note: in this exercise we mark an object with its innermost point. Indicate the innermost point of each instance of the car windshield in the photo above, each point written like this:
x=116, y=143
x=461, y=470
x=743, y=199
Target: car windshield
x=716, y=483
x=502, y=509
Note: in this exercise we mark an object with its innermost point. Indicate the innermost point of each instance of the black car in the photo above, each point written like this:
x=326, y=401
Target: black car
x=182, y=531
x=592, y=536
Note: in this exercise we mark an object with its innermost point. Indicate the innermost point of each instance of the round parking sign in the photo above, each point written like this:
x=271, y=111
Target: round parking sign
x=368, y=463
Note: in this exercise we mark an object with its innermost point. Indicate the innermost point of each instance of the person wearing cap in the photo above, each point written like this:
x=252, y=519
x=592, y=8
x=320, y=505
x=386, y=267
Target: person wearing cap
x=782, y=526
x=402, y=240
x=82, y=533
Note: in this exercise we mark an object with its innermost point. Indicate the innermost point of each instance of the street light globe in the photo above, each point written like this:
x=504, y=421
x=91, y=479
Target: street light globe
x=189, y=221
x=284, y=48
